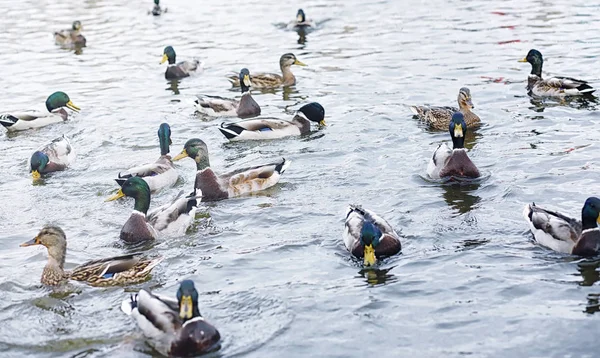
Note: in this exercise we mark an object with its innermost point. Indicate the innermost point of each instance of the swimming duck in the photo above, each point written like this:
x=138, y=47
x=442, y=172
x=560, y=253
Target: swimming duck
x=554, y=86
x=454, y=162
x=564, y=234
x=70, y=37
x=176, y=327
x=440, y=117
x=161, y=173
x=301, y=22
x=368, y=236
x=181, y=69
x=246, y=107
x=272, y=80
x=236, y=183
x=174, y=217
x=22, y=120
x=157, y=10
x=268, y=128
x=54, y=156
x=118, y=270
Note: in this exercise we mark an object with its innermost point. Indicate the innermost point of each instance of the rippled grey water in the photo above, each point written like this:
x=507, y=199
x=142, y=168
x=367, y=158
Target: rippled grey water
x=273, y=274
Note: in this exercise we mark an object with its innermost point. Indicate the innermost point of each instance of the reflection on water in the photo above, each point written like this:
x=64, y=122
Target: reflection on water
x=301, y=36
x=593, y=303
x=173, y=86
x=376, y=276
x=589, y=272
x=539, y=104
x=459, y=196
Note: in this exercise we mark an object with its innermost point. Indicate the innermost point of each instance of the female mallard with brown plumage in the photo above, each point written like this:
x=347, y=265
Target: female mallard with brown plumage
x=118, y=270
x=28, y=119
x=246, y=107
x=236, y=183
x=368, y=236
x=440, y=117
x=178, y=70
x=70, y=37
x=564, y=234
x=272, y=80
x=175, y=327
x=172, y=218
x=554, y=86
x=453, y=162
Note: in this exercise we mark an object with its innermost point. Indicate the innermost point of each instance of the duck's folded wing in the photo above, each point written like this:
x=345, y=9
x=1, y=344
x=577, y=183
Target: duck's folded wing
x=568, y=85
x=189, y=66
x=380, y=222
x=157, y=313
x=261, y=124
x=112, y=265
x=261, y=172
x=216, y=103
x=168, y=213
x=146, y=170
x=555, y=224
x=24, y=115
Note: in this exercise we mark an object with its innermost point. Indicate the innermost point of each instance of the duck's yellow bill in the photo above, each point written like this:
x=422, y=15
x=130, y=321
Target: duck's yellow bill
x=322, y=123
x=72, y=106
x=34, y=241
x=118, y=195
x=186, y=307
x=522, y=60
x=36, y=175
x=369, y=255
x=299, y=63
x=247, y=82
x=181, y=155
x=598, y=219
x=458, y=131
x=164, y=59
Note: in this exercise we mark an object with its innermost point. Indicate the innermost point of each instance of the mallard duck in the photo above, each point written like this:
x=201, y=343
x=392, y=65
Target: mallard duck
x=369, y=236
x=440, y=117
x=70, y=37
x=181, y=69
x=268, y=128
x=54, y=156
x=564, y=234
x=161, y=173
x=175, y=217
x=118, y=270
x=454, y=162
x=22, y=120
x=236, y=183
x=272, y=80
x=554, y=86
x=175, y=327
x=157, y=10
x=301, y=22
x=246, y=107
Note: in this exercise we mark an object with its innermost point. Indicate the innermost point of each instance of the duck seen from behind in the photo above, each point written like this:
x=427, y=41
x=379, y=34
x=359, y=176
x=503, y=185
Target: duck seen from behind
x=273, y=80
x=440, y=117
x=28, y=119
x=178, y=70
x=156, y=9
x=453, y=162
x=301, y=22
x=71, y=37
x=54, y=156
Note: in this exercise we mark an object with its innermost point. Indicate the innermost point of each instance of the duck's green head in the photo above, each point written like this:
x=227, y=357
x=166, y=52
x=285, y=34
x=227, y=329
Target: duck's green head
x=156, y=1
x=289, y=59
x=187, y=296
x=458, y=130
x=300, y=17
x=77, y=26
x=534, y=57
x=168, y=55
x=58, y=100
x=590, y=214
x=464, y=98
x=314, y=112
x=369, y=238
x=136, y=188
x=164, y=138
x=38, y=163
x=196, y=149
x=245, y=80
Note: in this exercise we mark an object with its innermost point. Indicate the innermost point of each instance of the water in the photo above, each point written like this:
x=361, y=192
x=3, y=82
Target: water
x=273, y=273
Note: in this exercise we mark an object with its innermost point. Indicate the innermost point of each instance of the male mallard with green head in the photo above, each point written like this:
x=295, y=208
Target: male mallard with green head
x=54, y=156
x=440, y=117
x=28, y=119
x=236, y=183
x=246, y=107
x=156, y=9
x=273, y=80
x=178, y=70
x=301, y=22
x=175, y=327
x=368, y=236
x=118, y=270
x=554, y=86
x=564, y=234
x=70, y=37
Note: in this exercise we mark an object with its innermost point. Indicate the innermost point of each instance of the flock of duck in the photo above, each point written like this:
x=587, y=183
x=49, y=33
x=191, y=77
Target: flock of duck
x=174, y=326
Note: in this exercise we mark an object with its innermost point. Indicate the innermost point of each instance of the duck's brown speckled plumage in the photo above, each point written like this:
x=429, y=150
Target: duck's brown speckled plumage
x=439, y=117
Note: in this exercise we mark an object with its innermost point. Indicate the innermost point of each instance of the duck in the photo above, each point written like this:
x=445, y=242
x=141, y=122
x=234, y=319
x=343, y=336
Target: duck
x=439, y=117
x=156, y=9
x=301, y=22
x=368, y=236
x=175, y=327
x=172, y=218
x=246, y=107
x=118, y=270
x=159, y=174
x=70, y=37
x=564, y=234
x=54, y=156
x=554, y=86
x=215, y=187
x=179, y=70
x=29, y=119
x=453, y=162
x=270, y=128
x=273, y=80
